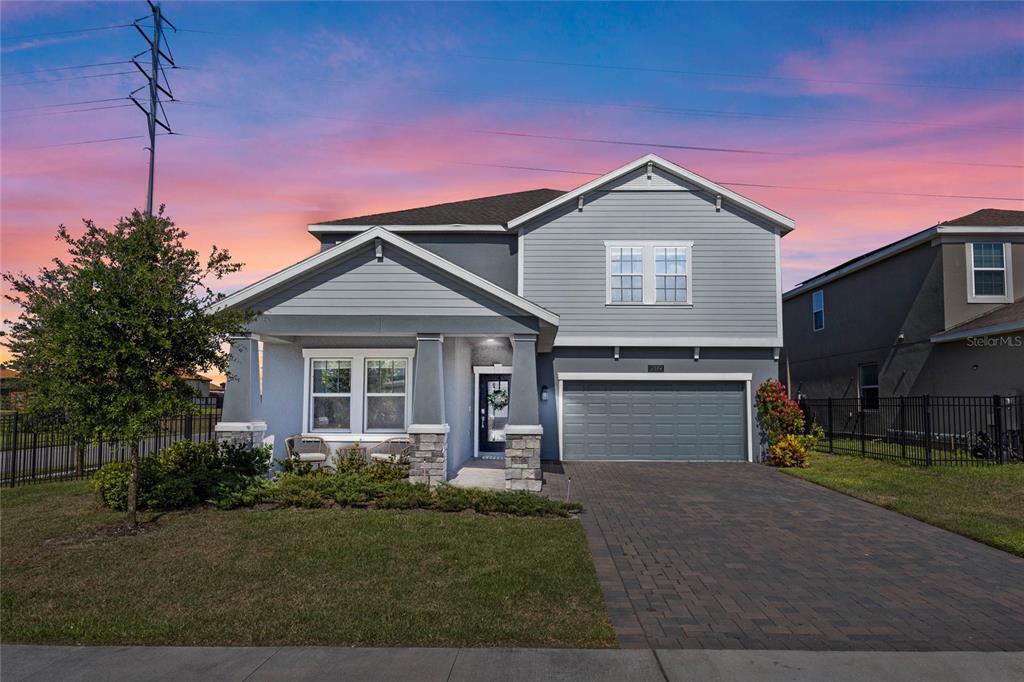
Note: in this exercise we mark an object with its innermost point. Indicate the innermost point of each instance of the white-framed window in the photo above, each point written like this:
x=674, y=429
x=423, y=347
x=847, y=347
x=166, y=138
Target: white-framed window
x=671, y=271
x=331, y=394
x=989, y=273
x=649, y=273
x=357, y=390
x=385, y=394
x=818, y=310
x=627, y=274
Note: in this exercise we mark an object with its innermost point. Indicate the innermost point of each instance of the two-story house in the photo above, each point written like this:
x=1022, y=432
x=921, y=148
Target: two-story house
x=939, y=312
x=631, y=318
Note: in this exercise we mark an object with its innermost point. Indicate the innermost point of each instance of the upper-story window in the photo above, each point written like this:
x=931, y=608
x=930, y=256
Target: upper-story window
x=988, y=273
x=649, y=273
x=818, y=310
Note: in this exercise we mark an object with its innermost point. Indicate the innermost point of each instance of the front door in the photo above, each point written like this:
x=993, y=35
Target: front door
x=492, y=415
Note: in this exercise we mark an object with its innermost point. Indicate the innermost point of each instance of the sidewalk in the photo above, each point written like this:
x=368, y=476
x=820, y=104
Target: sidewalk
x=66, y=663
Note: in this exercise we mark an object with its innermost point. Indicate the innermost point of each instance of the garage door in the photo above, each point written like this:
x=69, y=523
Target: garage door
x=660, y=420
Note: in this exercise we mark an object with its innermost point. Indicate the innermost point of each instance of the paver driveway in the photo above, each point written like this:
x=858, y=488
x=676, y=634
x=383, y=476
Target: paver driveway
x=742, y=556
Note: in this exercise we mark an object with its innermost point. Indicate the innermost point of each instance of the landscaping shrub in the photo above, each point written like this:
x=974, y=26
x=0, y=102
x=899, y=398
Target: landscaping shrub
x=184, y=474
x=111, y=482
x=783, y=427
x=789, y=451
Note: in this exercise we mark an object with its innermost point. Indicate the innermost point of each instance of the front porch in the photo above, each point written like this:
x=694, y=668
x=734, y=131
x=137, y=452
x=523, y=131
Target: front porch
x=469, y=404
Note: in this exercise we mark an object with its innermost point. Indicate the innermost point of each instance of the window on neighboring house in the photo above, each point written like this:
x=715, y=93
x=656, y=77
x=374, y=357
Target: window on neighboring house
x=670, y=271
x=869, y=386
x=332, y=395
x=385, y=394
x=649, y=273
x=988, y=273
x=818, y=309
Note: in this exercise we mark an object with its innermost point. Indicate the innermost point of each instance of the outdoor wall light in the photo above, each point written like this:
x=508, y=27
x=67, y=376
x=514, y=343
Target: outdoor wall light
x=543, y=392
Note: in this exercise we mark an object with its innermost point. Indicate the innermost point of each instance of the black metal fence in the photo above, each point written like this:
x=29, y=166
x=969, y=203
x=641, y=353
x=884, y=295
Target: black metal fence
x=923, y=430
x=39, y=448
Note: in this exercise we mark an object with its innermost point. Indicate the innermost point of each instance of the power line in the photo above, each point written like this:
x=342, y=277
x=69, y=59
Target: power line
x=74, y=30
x=629, y=143
x=72, y=78
x=66, y=68
x=66, y=104
x=97, y=141
x=761, y=185
x=719, y=74
x=71, y=111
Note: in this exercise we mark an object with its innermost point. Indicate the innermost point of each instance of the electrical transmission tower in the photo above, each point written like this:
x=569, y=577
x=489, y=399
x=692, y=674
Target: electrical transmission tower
x=160, y=58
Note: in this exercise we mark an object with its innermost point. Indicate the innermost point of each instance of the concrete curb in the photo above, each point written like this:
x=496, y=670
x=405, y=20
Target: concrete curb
x=37, y=663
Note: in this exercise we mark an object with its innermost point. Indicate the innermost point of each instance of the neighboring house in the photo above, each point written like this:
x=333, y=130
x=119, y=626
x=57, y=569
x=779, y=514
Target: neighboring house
x=939, y=312
x=199, y=384
x=628, y=319
x=12, y=394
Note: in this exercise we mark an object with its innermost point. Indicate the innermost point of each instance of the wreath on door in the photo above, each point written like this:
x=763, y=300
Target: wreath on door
x=498, y=398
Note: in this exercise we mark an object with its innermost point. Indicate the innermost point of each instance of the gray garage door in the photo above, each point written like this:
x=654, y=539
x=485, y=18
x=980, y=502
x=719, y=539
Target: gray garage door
x=665, y=420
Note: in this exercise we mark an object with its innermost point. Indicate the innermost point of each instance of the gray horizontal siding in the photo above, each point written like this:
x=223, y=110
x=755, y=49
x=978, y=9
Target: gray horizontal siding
x=734, y=269
x=400, y=285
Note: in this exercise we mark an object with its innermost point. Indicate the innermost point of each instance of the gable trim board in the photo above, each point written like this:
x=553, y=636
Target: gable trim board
x=339, y=251
x=784, y=223
x=317, y=228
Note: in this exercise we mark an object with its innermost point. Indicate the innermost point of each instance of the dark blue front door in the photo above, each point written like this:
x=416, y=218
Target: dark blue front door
x=492, y=413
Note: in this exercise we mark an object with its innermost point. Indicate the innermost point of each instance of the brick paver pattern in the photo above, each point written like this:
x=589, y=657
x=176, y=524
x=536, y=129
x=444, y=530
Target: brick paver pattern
x=740, y=556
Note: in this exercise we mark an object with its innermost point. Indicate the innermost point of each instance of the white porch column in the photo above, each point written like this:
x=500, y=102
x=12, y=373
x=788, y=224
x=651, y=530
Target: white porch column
x=523, y=432
x=428, y=462
x=242, y=394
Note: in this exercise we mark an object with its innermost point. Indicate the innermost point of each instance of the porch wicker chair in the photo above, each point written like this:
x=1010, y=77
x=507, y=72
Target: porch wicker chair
x=311, y=449
x=395, y=449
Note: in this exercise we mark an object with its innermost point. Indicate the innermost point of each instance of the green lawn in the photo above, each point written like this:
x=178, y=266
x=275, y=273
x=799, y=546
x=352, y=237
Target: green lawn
x=292, y=576
x=985, y=503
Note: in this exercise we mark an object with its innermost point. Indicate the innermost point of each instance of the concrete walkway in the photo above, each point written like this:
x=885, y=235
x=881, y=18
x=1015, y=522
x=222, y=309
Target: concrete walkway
x=139, y=664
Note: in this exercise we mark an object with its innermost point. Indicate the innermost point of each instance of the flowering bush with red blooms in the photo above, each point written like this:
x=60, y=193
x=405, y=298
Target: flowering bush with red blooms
x=782, y=423
x=779, y=415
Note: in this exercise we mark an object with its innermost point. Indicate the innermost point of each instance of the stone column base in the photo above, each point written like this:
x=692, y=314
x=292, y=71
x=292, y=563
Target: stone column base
x=522, y=460
x=428, y=461
x=244, y=433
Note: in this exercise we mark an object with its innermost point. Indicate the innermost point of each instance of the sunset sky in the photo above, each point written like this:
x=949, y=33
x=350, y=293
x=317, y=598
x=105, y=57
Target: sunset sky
x=293, y=113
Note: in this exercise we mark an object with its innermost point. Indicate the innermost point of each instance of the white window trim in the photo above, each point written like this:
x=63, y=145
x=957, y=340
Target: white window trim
x=357, y=388
x=1007, y=269
x=650, y=281
x=814, y=310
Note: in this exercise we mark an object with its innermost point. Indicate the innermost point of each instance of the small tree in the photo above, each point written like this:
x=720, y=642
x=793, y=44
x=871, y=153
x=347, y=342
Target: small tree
x=105, y=335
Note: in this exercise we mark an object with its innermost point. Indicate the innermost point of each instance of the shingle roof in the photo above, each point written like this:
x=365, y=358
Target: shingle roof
x=988, y=217
x=1011, y=312
x=495, y=210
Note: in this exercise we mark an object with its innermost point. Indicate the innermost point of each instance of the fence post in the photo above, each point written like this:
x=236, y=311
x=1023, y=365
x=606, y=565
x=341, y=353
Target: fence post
x=997, y=418
x=903, y=427
x=188, y=426
x=14, y=450
x=830, y=436
x=926, y=407
x=863, y=445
